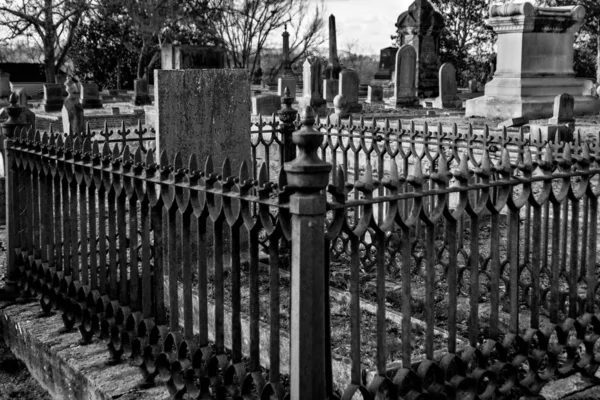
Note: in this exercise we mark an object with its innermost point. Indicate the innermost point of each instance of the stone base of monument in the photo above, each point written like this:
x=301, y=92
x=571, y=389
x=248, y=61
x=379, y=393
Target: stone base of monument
x=320, y=106
x=91, y=103
x=400, y=102
x=537, y=107
x=452, y=102
x=549, y=133
x=141, y=100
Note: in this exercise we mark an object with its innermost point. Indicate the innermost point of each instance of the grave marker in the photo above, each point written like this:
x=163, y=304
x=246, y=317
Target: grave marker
x=265, y=104
x=448, y=90
x=53, y=98
x=90, y=96
x=140, y=96
x=313, y=87
x=72, y=111
x=348, y=87
x=404, y=78
x=374, y=93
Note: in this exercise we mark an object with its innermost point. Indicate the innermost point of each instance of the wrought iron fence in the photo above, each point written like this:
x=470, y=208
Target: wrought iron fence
x=165, y=262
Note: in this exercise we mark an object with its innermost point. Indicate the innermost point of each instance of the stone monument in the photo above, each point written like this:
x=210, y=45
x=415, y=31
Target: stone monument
x=349, y=81
x=140, y=95
x=265, y=104
x=186, y=56
x=448, y=97
x=387, y=64
x=534, y=64
x=287, y=79
x=313, y=87
x=562, y=124
x=90, y=96
x=217, y=105
x=421, y=26
x=404, y=78
x=73, y=119
x=331, y=73
x=53, y=98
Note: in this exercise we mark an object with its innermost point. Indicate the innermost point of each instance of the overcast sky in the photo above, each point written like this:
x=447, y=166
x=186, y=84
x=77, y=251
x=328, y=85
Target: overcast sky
x=366, y=23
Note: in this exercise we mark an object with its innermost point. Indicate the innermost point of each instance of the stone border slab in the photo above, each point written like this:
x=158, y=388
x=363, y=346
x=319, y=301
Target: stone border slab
x=63, y=367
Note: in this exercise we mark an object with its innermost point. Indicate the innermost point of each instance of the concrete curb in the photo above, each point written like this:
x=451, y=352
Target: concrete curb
x=63, y=367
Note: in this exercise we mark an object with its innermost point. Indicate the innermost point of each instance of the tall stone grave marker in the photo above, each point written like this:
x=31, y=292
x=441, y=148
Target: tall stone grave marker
x=421, y=26
x=387, y=59
x=288, y=80
x=53, y=98
x=216, y=103
x=404, y=78
x=448, y=97
x=4, y=84
x=331, y=73
x=348, y=88
x=313, y=87
x=72, y=112
x=90, y=96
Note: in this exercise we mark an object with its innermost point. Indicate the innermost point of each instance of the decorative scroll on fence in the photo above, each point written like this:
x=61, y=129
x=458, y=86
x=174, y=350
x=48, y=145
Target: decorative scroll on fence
x=501, y=250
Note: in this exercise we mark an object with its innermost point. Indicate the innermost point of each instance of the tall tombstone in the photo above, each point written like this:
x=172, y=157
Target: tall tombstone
x=448, y=97
x=333, y=69
x=387, y=60
x=73, y=118
x=349, y=81
x=404, y=78
x=4, y=84
x=216, y=106
x=140, y=92
x=421, y=26
x=90, y=96
x=53, y=98
x=313, y=86
x=287, y=80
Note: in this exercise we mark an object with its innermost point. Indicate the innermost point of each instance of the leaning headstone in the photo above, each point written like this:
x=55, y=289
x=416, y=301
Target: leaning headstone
x=563, y=110
x=90, y=96
x=374, y=93
x=513, y=122
x=53, y=98
x=216, y=103
x=404, y=78
x=313, y=87
x=140, y=95
x=72, y=112
x=349, y=81
x=4, y=84
x=448, y=90
x=265, y=104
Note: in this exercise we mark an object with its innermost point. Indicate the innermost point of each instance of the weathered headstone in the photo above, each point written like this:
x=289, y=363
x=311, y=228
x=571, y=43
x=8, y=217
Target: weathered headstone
x=73, y=119
x=287, y=82
x=140, y=95
x=90, y=96
x=387, y=60
x=265, y=104
x=448, y=97
x=513, y=123
x=216, y=103
x=561, y=126
x=473, y=86
x=349, y=81
x=4, y=84
x=421, y=26
x=374, y=93
x=313, y=87
x=404, y=78
x=564, y=105
x=53, y=98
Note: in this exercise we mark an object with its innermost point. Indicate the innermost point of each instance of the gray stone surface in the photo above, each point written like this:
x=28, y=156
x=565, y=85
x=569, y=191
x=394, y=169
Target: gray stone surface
x=288, y=81
x=348, y=87
x=564, y=105
x=513, y=122
x=265, y=104
x=374, y=93
x=53, y=98
x=90, y=96
x=73, y=118
x=404, y=78
x=66, y=369
x=330, y=88
x=140, y=92
x=205, y=112
x=448, y=89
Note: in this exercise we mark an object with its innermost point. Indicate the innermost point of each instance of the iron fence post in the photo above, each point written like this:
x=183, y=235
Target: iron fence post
x=9, y=131
x=308, y=176
x=287, y=116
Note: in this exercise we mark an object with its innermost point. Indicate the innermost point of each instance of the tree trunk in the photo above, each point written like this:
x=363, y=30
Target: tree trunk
x=49, y=41
x=140, y=68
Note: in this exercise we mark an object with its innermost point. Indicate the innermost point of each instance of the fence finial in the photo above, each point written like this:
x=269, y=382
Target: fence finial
x=14, y=111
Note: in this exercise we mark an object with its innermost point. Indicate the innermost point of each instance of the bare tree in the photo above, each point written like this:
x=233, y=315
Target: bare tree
x=246, y=25
x=50, y=22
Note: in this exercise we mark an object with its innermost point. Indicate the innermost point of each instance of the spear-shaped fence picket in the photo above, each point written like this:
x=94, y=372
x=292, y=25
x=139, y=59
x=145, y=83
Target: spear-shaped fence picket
x=498, y=242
